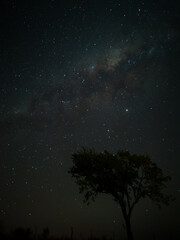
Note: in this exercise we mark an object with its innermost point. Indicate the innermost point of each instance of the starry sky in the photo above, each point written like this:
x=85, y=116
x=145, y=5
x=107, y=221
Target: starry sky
x=102, y=74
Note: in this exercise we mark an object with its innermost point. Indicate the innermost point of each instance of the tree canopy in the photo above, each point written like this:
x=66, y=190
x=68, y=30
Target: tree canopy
x=126, y=177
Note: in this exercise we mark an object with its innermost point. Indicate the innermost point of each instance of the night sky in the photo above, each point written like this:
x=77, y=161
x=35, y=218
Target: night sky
x=101, y=74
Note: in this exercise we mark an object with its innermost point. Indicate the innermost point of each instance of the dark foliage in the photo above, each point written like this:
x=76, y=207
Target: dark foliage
x=27, y=234
x=127, y=178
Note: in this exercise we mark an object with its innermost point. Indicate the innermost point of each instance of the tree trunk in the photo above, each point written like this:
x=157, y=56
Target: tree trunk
x=128, y=228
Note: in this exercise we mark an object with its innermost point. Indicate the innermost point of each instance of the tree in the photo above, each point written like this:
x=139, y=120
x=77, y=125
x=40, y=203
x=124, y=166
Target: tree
x=127, y=178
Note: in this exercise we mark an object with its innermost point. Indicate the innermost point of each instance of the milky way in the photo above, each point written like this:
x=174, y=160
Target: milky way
x=102, y=74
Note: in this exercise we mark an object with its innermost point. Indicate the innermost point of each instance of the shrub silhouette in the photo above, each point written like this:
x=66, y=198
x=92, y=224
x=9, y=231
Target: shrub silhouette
x=22, y=234
x=127, y=178
x=46, y=233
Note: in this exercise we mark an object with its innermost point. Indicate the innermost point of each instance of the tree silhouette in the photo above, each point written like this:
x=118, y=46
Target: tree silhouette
x=127, y=178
